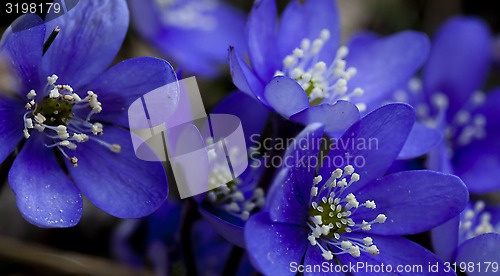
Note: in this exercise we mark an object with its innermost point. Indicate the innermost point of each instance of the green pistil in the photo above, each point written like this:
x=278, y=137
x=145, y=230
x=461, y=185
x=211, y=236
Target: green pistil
x=327, y=219
x=57, y=111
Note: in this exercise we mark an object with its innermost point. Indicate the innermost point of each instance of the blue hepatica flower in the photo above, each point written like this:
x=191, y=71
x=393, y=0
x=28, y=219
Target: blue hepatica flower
x=350, y=212
x=194, y=33
x=473, y=237
x=448, y=99
x=64, y=125
x=230, y=205
x=299, y=70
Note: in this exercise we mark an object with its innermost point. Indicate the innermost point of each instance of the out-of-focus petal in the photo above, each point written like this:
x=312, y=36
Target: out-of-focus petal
x=306, y=19
x=459, y=60
x=21, y=47
x=420, y=141
x=481, y=251
x=386, y=63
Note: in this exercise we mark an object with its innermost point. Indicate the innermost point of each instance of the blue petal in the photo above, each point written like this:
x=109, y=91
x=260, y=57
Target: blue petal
x=397, y=252
x=11, y=125
x=478, y=165
x=480, y=250
x=413, y=201
x=335, y=117
x=306, y=19
x=313, y=257
x=420, y=141
x=231, y=232
x=459, y=60
x=286, y=96
x=244, y=78
x=445, y=239
x=45, y=196
x=386, y=63
x=126, y=82
x=119, y=183
x=252, y=114
x=261, y=35
x=361, y=40
x=491, y=112
x=288, y=198
x=202, y=51
x=23, y=51
x=439, y=159
x=371, y=144
x=145, y=17
x=272, y=246
x=90, y=37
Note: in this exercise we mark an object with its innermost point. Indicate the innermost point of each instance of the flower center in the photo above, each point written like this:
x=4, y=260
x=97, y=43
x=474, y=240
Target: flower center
x=466, y=125
x=330, y=216
x=476, y=221
x=322, y=83
x=234, y=196
x=54, y=116
x=192, y=15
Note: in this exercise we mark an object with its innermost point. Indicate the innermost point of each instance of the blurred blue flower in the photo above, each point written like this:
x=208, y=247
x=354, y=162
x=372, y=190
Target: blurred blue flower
x=350, y=212
x=474, y=236
x=229, y=206
x=299, y=70
x=448, y=98
x=67, y=127
x=194, y=34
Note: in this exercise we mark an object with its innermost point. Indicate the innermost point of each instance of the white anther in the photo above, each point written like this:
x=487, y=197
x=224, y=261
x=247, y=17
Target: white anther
x=26, y=133
x=312, y=240
x=349, y=169
x=28, y=123
x=440, y=100
x=52, y=79
x=370, y=204
x=368, y=241
x=327, y=255
x=373, y=250
x=31, y=94
x=361, y=107
x=342, y=52
x=381, y=218
x=317, y=179
x=317, y=219
x=354, y=251
x=298, y=53
x=346, y=244
x=54, y=93
x=39, y=118
x=358, y=92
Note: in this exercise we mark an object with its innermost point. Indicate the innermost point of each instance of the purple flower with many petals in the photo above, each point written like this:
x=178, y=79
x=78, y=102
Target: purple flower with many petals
x=70, y=116
x=230, y=205
x=473, y=237
x=448, y=98
x=194, y=33
x=348, y=211
x=299, y=70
